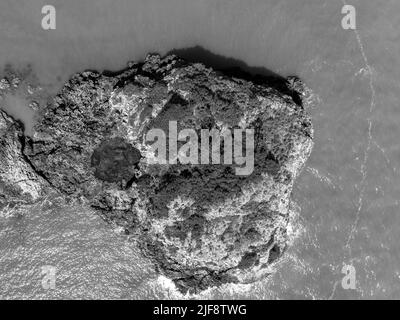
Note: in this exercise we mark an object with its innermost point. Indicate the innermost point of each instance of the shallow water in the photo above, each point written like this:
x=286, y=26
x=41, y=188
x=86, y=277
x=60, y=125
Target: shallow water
x=347, y=194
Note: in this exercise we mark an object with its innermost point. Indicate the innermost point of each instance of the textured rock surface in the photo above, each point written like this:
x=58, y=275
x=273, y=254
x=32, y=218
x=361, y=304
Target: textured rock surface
x=202, y=224
x=20, y=183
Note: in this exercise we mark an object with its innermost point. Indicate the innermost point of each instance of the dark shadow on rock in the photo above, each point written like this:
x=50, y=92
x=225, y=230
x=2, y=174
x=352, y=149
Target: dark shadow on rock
x=115, y=160
x=236, y=68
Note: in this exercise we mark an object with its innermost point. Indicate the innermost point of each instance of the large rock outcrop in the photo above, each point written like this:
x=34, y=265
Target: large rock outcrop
x=202, y=224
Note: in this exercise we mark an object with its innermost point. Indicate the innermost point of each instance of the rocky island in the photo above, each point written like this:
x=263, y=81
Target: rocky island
x=202, y=224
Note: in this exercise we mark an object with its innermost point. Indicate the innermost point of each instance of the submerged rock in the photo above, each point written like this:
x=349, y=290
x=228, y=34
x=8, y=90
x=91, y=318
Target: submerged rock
x=202, y=224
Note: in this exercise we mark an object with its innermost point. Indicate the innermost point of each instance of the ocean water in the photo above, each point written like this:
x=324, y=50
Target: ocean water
x=346, y=197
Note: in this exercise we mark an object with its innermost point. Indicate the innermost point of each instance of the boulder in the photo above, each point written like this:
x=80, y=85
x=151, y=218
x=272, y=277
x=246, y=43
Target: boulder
x=202, y=224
